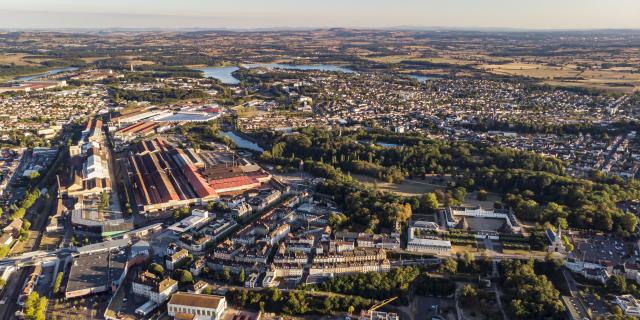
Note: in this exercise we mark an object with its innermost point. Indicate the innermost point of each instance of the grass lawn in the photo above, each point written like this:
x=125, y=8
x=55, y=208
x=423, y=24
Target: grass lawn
x=406, y=188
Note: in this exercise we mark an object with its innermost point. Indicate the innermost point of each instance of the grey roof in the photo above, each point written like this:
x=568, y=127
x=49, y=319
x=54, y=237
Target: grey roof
x=105, y=246
x=95, y=270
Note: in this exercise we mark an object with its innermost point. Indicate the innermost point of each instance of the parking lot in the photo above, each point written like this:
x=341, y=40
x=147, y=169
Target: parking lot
x=599, y=249
x=233, y=314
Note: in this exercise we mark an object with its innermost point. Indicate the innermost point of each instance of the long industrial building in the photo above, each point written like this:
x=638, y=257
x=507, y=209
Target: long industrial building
x=164, y=177
x=160, y=182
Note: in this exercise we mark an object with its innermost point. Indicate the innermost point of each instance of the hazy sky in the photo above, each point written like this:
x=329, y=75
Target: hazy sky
x=556, y=14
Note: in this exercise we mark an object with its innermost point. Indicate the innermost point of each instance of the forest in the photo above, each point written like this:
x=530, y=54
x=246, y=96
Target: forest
x=536, y=187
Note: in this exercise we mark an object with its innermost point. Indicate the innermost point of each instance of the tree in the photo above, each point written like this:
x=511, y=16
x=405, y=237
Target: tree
x=468, y=295
x=278, y=149
x=181, y=213
x=617, y=284
x=184, y=276
x=4, y=250
x=351, y=310
x=459, y=193
x=481, y=195
x=449, y=266
x=42, y=308
x=33, y=175
x=241, y=276
x=31, y=305
x=337, y=219
x=567, y=243
x=276, y=295
x=406, y=213
x=226, y=274
x=467, y=260
x=103, y=205
x=58, y=282
x=430, y=202
x=532, y=296
x=156, y=269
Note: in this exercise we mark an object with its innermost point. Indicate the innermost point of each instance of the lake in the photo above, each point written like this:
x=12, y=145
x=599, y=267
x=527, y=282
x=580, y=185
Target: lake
x=225, y=74
x=242, y=142
x=46, y=74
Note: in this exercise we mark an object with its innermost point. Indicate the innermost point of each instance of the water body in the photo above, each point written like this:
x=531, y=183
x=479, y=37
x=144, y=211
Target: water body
x=242, y=142
x=317, y=67
x=421, y=78
x=387, y=145
x=46, y=74
x=225, y=74
x=381, y=144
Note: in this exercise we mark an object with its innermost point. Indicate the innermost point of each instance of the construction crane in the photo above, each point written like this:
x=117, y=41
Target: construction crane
x=369, y=314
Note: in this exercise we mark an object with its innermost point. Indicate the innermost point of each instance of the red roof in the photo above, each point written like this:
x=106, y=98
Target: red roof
x=199, y=185
x=211, y=110
x=232, y=182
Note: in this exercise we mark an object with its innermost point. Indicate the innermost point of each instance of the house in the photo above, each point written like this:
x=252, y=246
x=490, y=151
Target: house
x=173, y=260
x=240, y=210
x=153, y=288
x=140, y=248
x=6, y=238
x=197, y=266
x=13, y=227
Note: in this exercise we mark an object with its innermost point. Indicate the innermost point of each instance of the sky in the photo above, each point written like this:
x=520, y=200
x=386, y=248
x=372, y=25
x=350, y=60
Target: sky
x=251, y=14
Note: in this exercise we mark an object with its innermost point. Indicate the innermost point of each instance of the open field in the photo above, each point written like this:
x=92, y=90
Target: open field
x=93, y=59
x=391, y=59
x=622, y=80
x=406, y=188
x=15, y=58
x=472, y=200
x=462, y=249
x=51, y=240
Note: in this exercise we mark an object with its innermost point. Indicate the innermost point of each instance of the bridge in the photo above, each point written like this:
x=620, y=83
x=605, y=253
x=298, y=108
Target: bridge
x=36, y=257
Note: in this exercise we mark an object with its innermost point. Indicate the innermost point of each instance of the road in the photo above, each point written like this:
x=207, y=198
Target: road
x=495, y=275
x=39, y=223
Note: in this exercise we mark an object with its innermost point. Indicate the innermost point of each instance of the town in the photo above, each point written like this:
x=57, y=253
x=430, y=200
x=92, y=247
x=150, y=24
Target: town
x=134, y=189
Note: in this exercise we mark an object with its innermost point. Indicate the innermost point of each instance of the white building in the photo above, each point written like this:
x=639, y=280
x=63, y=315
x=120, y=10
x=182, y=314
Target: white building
x=629, y=305
x=200, y=306
x=176, y=258
x=434, y=246
x=151, y=287
x=196, y=219
x=426, y=245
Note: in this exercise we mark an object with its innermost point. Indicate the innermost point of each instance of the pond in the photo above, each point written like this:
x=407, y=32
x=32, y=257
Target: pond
x=242, y=142
x=421, y=78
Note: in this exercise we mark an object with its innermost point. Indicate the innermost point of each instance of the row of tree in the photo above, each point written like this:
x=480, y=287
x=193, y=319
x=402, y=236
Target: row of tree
x=296, y=302
x=372, y=285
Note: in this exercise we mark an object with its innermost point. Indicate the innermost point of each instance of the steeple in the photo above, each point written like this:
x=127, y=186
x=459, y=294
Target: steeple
x=559, y=234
